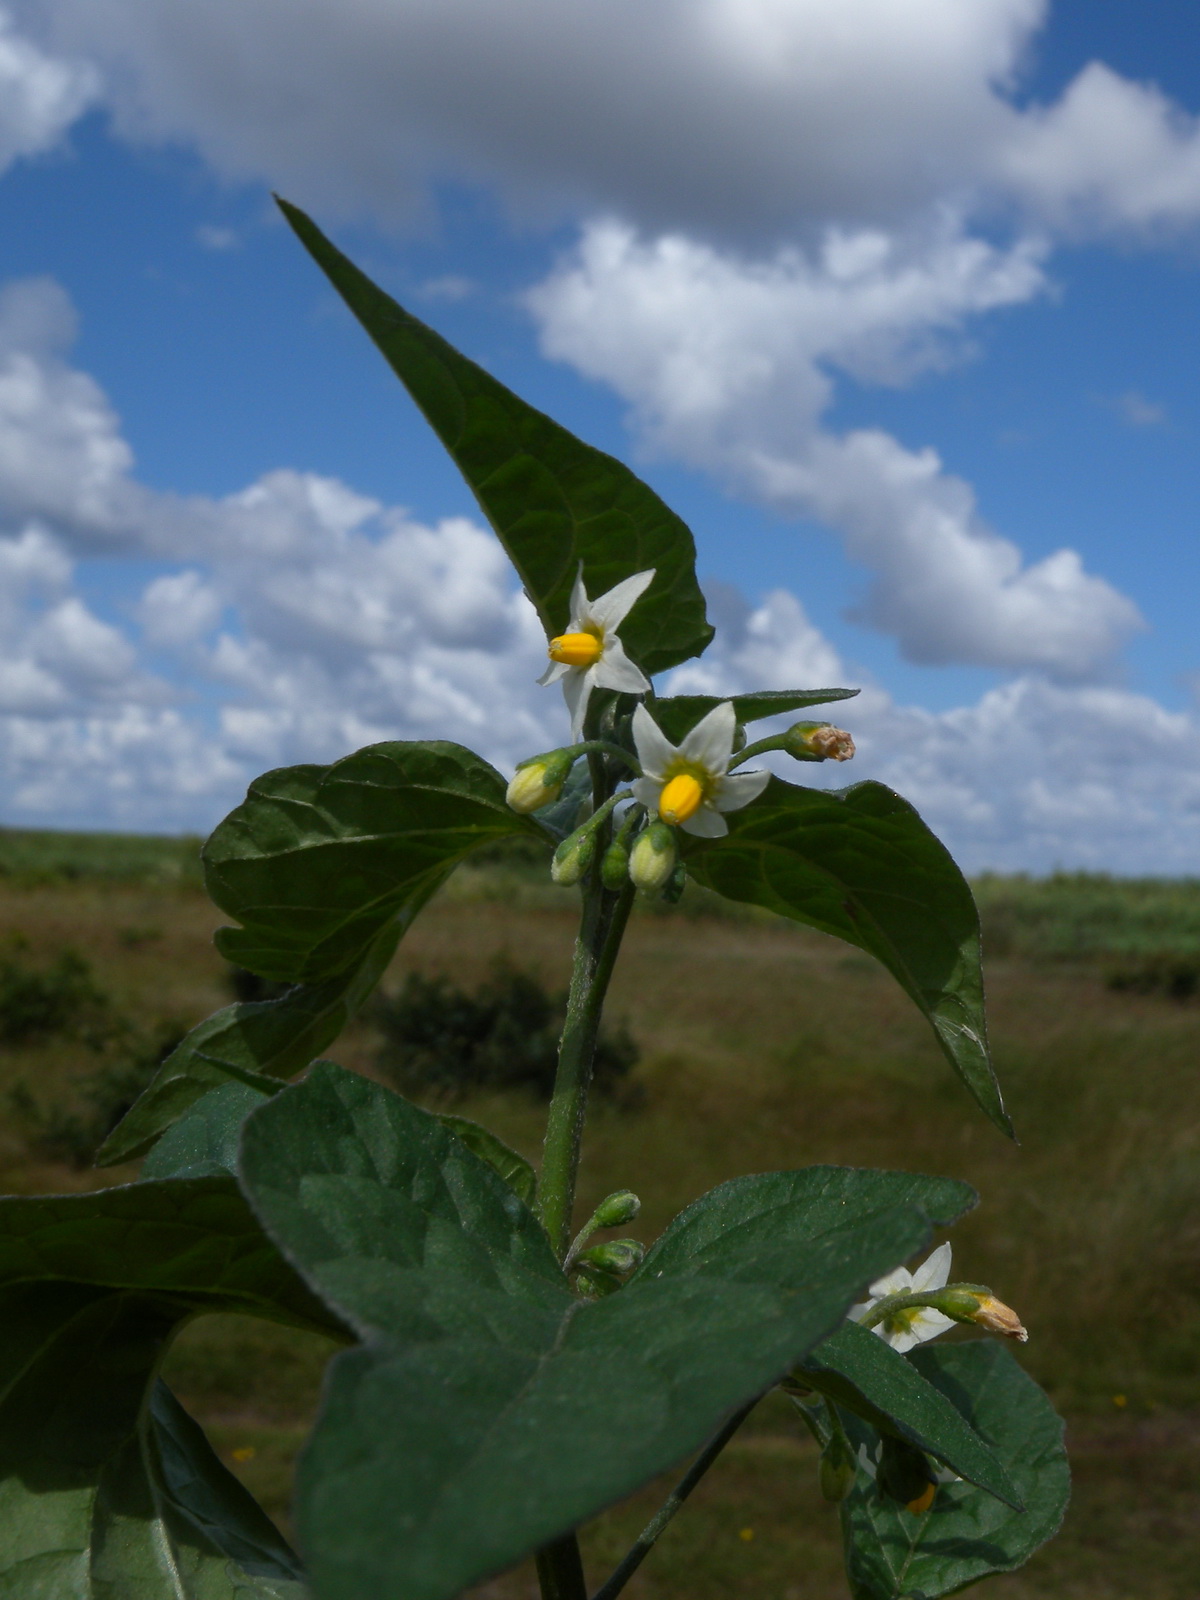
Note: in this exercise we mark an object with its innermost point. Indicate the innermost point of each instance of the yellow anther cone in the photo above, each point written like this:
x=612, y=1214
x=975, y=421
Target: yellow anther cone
x=576, y=649
x=680, y=799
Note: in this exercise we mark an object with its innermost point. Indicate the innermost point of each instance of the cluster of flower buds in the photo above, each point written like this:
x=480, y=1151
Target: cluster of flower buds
x=817, y=741
x=604, y=1268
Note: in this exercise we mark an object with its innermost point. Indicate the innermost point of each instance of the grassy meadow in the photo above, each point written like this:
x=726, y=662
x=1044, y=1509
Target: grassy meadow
x=762, y=1046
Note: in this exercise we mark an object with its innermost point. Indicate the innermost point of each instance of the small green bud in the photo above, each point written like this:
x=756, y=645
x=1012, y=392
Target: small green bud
x=573, y=857
x=817, y=741
x=619, y=1256
x=539, y=781
x=615, y=1210
x=595, y=1284
x=838, y=1468
x=653, y=857
x=614, y=868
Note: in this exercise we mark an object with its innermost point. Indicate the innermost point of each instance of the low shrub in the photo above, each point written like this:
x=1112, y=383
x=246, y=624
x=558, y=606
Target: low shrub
x=39, y=1002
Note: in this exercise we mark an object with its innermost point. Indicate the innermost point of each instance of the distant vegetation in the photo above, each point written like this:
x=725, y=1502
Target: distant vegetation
x=29, y=857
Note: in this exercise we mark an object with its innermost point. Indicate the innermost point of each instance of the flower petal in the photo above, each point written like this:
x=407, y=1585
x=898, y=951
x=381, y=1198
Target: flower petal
x=928, y=1323
x=648, y=791
x=610, y=610
x=934, y=1271
x=577, y=689
x=580, y=606
x=706, y=824
x=710, y=743
x=614, y=670
x=553, y=672
x=898, y=1281
x=738, y=789
x=654, y=749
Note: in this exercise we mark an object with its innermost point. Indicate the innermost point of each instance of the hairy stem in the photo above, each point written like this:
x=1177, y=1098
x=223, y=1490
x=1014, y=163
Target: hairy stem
x=649, y=1534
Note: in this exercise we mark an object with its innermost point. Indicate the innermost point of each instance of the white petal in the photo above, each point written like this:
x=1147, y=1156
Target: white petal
x=934, y=1272
x=902, y=1340
x=928, y=1323
x=738, y=789
x=579, y=601
x=553, y=672
x=858, y=1312
x=710, y=742
x=654, y=749
x=898, y=1281
x=610, y=610
x=647, y=790
x=614, y=670
x=577, y=689
x=706, y=824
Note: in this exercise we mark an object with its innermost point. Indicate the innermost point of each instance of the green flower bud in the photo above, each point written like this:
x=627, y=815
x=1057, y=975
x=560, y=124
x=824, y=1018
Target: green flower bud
x=614, y=868
x=653, y=857
x=539, y=781
x=975, y=1303
x=616, y=1209
x=619, y=1256
x=817, y=741
x=838, y=1468
x=595, y=1284
x=573, y=856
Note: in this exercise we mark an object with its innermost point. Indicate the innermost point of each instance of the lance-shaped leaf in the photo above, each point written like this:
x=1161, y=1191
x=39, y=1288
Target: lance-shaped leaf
x=859, y=863
x=204, y=1142
x=862, y=1373
x=553, y=500
x=513, y=1168
x=892, y=1553
x=102, y=1492
x=678, y=714
x=317, y=862
x=489, y=1409
x=255, y=1043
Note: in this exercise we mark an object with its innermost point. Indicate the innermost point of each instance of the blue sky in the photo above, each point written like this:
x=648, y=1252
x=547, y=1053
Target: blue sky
x=895, y=302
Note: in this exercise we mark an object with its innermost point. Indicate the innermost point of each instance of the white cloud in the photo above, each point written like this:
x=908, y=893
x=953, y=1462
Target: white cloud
x=41, y=95
x=727, y=366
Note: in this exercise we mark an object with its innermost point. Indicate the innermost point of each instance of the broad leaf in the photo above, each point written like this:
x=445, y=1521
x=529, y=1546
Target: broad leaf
x=255, y=1044
x=102, y=1493
x=553, y=500
x=204, y=1142
x=860, y=1372
x=513, y=1168
x=317, y=862
x=678, y=714
x=859, y=863
x=489, y=1410
x=892, y=1554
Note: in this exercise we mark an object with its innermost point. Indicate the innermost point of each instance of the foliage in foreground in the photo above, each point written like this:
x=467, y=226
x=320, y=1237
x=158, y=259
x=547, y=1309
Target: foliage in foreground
x=501, y=1382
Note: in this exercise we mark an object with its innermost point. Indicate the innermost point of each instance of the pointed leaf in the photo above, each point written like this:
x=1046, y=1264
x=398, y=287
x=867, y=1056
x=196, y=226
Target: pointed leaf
x=204, y=1142
x=892, y=1554
x=859, y=1371
x=678, y=714
x=553, y=501
x=513, y=1168
x=490, y=1409
x=859, y=863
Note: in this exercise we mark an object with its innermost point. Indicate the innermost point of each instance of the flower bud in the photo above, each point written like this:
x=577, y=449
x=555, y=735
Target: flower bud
x=838, y=1468
x=617, y=1209
x=614, y=867
x=973, y=1303
x=595, y=1284
x=653, y=857
x=904, y=1474
x=539, y=781
x=619, y=1256
x=573, y=857
x=818, y=741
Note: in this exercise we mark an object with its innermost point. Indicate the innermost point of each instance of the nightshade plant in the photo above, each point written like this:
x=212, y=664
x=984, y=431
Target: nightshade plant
x=500, y=1381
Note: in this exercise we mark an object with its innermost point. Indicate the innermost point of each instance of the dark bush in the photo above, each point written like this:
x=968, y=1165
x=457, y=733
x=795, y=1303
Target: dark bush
x=503, y=1036
x=1175, y=976
x=37, y=1003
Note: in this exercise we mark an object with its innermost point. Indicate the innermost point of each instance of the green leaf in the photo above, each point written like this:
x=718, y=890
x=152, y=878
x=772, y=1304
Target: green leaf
x=204, y=1142
x=103, y=1493
x=553, y=501
x=517, y=1173
x=318, y=861
x=255, y=1044
x=860, y=1372
x=892, y=1554
x=678, y=714
x=859, y=863
x=489, y=1410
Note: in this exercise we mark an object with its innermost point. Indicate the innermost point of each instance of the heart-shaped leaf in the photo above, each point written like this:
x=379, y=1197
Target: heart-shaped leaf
x=553, y=501
x=894, y=1554
x=859, y=863
x=489, y=1409
x=678, y=714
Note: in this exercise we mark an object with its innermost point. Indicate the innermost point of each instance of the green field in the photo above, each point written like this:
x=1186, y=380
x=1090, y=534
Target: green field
x=762, y=1047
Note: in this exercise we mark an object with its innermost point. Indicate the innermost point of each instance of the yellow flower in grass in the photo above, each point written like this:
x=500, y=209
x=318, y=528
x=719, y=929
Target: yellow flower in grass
x=689, y=785
x=589, y=655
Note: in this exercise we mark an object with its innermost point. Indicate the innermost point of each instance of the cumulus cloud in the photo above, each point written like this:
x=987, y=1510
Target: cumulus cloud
x=722, y=117
x=41, y=95
x=728, y=366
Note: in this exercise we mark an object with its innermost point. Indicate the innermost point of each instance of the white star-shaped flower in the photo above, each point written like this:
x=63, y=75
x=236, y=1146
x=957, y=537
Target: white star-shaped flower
x=589, y=655
x=689, y=785
x=905, y=1329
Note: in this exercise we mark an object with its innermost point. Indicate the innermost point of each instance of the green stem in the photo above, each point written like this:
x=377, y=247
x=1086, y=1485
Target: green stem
x=649, y=1534
x=603, y=747
x=560, y=1570
x=939, y=1299
x=603, y=923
